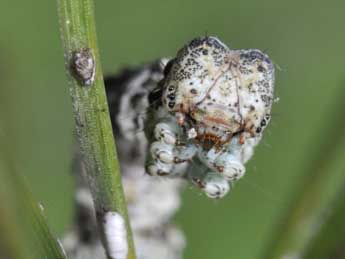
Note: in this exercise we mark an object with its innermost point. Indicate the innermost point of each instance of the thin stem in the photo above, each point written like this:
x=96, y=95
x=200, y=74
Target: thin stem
x=311, y=209
x=77, y=25
x=24, y=233
x=315, y=199
x=330, y=239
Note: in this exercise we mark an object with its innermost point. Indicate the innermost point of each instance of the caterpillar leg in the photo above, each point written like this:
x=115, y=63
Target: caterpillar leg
x=167, y=157
x=166, y=132
x=227, y=162
x=213, y=184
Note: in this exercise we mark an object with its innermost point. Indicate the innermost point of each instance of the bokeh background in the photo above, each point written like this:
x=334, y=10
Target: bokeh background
x=306, y=39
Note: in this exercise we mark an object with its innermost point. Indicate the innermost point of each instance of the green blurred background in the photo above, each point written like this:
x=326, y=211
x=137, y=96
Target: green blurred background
x=306, y=39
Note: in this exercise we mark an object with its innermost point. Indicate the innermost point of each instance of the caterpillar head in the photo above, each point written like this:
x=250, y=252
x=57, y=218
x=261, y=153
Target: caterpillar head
x=218, y=91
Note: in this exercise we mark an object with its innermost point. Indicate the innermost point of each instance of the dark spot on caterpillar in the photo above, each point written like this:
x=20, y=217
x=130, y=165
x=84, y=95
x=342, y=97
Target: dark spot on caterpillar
x=161, y=173
x=171, y=96
x=135, y=100
x=155, y=95
x=168, y=67
x=258, y=130
x=171, y=105
x=193, y=91
x=253, y=55
x=263, y=123
x=261, y=68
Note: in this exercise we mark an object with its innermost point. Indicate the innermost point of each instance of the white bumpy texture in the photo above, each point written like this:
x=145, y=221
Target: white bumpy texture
x=196, y=117
x=209, y=112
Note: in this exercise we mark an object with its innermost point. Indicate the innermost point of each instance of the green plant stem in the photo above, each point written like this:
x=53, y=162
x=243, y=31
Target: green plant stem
x=310, y=211
x=331, y=236
x=317, y=199
x=24, y=233
x=77, y=25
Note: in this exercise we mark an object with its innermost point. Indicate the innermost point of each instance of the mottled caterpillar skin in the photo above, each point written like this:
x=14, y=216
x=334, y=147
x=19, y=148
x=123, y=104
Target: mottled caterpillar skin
x=203, y=112
x=128, y=100
x=211, y=108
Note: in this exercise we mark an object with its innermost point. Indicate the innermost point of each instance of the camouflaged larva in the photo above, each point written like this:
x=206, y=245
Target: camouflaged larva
x=223, y=91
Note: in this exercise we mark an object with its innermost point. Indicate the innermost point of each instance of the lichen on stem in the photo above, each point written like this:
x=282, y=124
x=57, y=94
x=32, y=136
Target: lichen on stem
x=93, y=126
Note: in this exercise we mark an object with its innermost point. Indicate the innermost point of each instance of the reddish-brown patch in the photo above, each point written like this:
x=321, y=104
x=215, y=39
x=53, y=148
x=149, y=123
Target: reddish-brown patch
x=199, y=183
x=209, y=141
x=216, y=120
x=242, y=139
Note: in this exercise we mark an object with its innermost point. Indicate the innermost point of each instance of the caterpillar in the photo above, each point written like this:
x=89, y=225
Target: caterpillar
x=197, y=116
